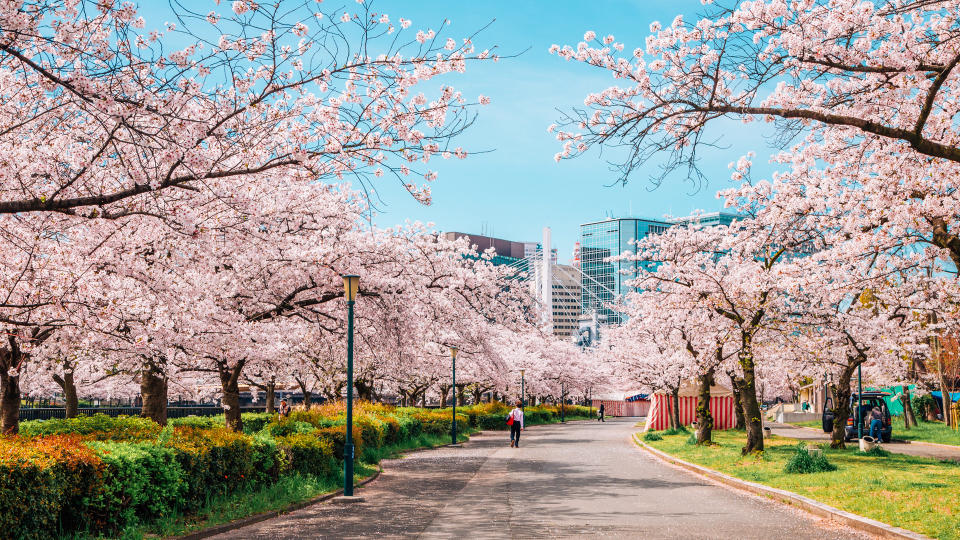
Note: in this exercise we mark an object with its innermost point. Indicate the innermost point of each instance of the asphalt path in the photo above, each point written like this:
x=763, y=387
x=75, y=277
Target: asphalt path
x=579, y=480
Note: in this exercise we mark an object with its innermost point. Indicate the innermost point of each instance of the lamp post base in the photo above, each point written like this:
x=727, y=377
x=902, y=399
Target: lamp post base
x=344, y=499
x=458, y=445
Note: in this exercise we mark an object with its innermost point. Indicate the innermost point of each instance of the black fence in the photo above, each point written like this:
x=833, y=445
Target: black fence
x=172, y=412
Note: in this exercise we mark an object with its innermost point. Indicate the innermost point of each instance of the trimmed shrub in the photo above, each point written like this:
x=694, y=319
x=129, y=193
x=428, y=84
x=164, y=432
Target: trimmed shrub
x=255, y=422
x=373, y=432
x=46, y=484
x=410, y=427
x=214, y=461
x=288, y=426
x=140, y=480
x=802, y=462
x=336, y=436
x=652, y=436
x=199, y=421
x=310, y=455
x=98, y=427
x=269, y=459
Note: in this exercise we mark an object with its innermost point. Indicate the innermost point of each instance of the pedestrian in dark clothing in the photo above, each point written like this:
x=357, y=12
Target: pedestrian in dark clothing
x=876, y=423
x=600, y=414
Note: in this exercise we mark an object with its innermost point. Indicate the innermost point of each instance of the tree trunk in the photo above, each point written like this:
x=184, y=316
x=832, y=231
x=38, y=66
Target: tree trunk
x=11, y=361
x=909, y=419
x=70, y=401
x=735, y=385
x=9, y=402
x=153, y=390
x=444, y=390
x=271, y=396
x=704, y=417
x=229, y=383
x=460, y=395
x=945, y=401
x=841, y=400
x=307, y=395
x=675, y=413
x=748, y=397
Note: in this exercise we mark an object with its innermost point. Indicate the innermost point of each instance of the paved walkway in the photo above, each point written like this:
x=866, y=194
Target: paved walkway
x=895, y=446
x=580, y=480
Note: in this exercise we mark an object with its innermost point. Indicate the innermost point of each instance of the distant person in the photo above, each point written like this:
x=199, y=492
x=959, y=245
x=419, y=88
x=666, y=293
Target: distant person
x=516, y=426
x=600, y=414
x=284, y=408
x=876, y=423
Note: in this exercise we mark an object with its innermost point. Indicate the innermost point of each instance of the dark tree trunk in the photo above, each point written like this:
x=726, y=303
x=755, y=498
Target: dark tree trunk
x=945, y=402
x=477, y=393
x=271, y=396
x=461, y=395
x=229, y=383
x=307, y=395
x=735, y=384
x=365, y=392
x=909, y=419
x=70, y=401
x=675, y=408
x=11, y=361
x=841, y=400
x=748, y=397
x=9, y=402
x=704, y=416
x=444, y=390
x=153, y=390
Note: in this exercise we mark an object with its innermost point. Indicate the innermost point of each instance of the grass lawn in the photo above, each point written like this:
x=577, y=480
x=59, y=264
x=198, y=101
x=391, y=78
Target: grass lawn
x=934, y=432
x=918, y=494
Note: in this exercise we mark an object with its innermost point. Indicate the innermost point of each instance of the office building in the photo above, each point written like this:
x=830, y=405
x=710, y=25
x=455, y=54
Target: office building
x=566, y=300
x=711, y=219
x=602, y=280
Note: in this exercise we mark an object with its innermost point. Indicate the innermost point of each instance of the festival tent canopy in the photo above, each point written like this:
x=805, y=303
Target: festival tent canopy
x=721, y=407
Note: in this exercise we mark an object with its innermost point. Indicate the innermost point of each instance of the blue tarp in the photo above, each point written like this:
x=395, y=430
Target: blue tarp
x=954, y=396
x=638, y=397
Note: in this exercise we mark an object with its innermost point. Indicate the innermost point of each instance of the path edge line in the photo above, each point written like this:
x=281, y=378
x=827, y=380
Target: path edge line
x=814, y=507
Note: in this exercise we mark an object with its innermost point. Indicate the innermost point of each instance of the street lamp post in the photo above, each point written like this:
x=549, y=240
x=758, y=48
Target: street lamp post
x=562, y=400
x=523, y=394
x=453, y=425
x=351, y=284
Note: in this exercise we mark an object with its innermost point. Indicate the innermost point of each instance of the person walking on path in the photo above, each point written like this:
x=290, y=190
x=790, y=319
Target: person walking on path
x=517, y=426
x=284, y=408
x=876, y=423
x=600, y=414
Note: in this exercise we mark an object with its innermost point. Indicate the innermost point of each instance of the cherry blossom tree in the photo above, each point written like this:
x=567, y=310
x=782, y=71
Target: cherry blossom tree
x=110, y=130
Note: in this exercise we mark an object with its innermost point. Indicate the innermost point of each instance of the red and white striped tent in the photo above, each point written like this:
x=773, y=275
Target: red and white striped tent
x=623, y=404
x=721, y=407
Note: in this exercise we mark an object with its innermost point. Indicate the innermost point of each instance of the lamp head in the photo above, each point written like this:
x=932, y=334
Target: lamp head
x=351, y=284
x=453, y=351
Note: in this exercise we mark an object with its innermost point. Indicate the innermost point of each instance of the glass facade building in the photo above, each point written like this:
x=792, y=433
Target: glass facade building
x=603, y=280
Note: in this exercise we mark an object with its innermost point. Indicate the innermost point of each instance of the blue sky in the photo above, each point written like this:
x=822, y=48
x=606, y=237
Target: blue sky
x=517, y=188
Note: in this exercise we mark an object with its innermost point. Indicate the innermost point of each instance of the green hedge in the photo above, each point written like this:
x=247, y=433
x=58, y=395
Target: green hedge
x=97, y=475
x=98, y=427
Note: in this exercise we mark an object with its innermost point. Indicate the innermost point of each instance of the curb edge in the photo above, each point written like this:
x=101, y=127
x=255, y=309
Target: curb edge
x=805, y=503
